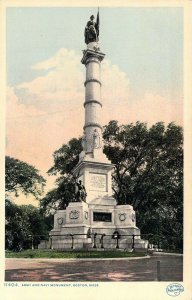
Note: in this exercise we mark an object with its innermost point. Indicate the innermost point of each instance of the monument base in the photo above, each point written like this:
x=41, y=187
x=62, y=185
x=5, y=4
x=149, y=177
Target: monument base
x=87, y=226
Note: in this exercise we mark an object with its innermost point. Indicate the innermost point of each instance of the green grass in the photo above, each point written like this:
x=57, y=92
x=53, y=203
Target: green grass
x=71, y=254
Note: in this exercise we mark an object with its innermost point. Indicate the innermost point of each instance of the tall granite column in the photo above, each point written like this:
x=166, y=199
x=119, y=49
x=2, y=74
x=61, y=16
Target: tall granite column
x=92, y=139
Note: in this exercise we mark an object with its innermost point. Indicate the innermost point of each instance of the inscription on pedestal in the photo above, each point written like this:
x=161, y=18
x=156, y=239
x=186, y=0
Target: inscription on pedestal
x=98, y=182
x=102, y=217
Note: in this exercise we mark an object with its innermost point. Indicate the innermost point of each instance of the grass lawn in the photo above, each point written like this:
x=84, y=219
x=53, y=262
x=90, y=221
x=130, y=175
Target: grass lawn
x=71, y=254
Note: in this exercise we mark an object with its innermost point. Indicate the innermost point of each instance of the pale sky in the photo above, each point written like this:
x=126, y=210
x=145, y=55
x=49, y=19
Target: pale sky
x=142, y=74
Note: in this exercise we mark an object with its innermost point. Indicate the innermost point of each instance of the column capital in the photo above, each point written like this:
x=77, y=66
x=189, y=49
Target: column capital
x=89, y=55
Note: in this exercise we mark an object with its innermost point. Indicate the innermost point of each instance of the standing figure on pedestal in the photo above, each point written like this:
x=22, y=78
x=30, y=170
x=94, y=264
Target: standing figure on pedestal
x=81, y=194
x=92, y=30
x=96, y=140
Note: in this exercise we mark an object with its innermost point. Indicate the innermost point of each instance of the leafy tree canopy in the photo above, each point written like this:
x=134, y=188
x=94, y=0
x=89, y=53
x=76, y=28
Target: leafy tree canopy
x=20, y=176
x=59, y=197
x=66, y=157
x=148, y=162
x=21, y=222
x=149, y=175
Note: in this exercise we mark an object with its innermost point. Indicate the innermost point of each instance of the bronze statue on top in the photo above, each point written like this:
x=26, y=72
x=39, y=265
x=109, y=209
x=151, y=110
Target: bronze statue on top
x=92, y=30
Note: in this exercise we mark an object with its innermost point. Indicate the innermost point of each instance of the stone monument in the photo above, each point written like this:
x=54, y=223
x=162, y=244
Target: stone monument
x=94, y=219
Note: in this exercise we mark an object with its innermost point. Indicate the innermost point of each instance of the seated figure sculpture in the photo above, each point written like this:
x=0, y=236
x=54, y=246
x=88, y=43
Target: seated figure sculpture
x=81, y=194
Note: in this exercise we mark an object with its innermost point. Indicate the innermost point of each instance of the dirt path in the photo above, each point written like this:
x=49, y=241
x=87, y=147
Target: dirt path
x=145, y=269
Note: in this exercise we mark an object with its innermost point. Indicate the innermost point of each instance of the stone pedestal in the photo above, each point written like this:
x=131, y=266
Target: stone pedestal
x=96, y=177
x=82, y=225
x=71, y=227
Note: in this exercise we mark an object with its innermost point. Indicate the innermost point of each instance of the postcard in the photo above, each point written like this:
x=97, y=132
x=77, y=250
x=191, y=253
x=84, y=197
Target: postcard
x=96, y=134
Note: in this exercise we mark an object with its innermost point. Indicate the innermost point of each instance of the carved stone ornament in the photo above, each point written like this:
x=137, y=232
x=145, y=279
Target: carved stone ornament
x=86, y=215
x=59, y=221
x=122, y=217
x=74, y=214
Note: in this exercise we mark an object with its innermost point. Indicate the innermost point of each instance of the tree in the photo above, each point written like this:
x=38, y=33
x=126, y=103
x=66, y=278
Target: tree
x=59, y=197
x=148, y=162
x=21, y=222
x=65, y=160
x=20, y=176
x=149, y=175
